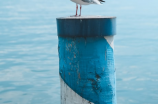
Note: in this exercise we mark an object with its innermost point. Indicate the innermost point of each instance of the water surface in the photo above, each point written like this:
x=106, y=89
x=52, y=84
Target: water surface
x=29, y=57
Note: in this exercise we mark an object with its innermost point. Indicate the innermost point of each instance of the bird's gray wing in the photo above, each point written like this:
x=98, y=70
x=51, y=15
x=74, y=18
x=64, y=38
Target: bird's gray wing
x=88, y=1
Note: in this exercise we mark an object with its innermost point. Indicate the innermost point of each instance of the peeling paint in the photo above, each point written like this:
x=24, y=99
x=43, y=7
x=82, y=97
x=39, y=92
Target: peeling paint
x=91, y=63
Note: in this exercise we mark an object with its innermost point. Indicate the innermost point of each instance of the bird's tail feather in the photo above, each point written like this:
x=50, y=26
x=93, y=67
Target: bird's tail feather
x=98, y=1
x=101, y=1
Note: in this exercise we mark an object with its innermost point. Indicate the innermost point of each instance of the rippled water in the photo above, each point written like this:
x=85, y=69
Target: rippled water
x=29, y=57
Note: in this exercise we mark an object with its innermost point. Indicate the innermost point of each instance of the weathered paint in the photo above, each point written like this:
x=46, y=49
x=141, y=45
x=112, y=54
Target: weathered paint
x=87, y=67
x=68, y=96
x=86, y=61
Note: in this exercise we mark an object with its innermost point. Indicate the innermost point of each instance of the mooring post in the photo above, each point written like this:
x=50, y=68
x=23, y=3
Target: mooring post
x=86, y=59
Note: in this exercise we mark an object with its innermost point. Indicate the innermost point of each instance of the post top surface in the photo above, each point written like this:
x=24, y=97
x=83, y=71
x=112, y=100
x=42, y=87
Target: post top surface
x=87, y=17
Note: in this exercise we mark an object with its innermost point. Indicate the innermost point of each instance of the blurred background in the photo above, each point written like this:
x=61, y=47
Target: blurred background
x=29, y=55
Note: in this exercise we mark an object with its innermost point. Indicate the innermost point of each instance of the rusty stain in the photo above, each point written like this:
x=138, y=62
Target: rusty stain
x=79, y=76
x=97, y=76
x=70, y=49
x=69, y=73
x=105, y=55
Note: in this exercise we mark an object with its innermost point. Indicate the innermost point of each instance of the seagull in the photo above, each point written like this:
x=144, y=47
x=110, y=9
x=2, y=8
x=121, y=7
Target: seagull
x=85, y=2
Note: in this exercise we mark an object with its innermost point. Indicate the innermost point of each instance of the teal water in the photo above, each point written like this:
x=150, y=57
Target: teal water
x=29, y=57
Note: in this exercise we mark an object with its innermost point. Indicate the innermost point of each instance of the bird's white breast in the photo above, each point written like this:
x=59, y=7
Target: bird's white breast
x=80, y=2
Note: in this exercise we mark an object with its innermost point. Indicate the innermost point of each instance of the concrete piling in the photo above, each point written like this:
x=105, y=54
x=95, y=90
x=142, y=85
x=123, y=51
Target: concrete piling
x=86, y=59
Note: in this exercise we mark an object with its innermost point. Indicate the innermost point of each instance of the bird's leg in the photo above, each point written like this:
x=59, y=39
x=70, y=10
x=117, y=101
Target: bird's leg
x=80, y=9
x=76, y=9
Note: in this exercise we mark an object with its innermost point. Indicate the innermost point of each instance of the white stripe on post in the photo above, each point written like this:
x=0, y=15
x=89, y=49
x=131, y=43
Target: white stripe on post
x=110, y=40
x=68, y=96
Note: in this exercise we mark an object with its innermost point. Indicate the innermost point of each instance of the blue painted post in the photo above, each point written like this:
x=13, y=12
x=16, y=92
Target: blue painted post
x=86, y=60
